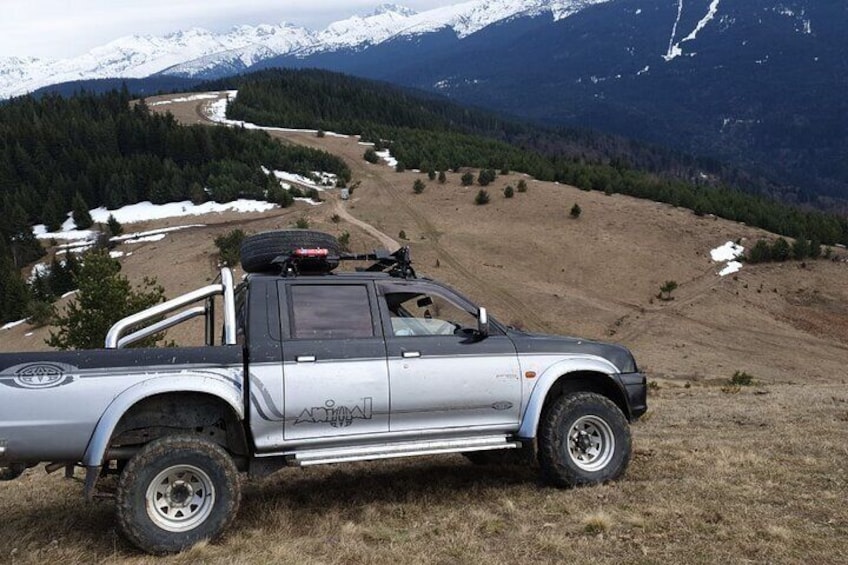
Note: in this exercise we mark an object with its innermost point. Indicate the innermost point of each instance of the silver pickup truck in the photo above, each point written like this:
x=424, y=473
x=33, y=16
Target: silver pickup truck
x=313, y=367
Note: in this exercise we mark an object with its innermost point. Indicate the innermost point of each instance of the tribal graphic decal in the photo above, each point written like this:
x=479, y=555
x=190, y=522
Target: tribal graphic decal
x=336, y=416
x=38, y=375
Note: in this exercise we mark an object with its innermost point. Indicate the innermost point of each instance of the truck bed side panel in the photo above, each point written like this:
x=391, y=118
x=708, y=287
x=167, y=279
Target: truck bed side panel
x=51, y=402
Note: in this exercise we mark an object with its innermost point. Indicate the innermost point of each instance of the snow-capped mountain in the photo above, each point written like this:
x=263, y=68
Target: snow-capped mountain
x=198, y=52
x=141, y=56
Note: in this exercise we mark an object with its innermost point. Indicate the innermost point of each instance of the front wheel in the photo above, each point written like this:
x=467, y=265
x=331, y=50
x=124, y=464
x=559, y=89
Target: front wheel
x=175, y=492
x=584, y=439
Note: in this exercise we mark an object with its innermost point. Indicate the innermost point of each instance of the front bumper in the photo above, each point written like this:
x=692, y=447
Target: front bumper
x=636, y=388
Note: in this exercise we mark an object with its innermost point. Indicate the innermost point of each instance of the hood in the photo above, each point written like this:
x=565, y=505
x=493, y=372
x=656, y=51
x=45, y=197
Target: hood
x=530, y=343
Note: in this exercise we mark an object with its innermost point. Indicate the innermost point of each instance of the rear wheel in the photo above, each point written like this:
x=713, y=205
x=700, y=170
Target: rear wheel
x=584, y=439
x=175, y=492
x=259, y=251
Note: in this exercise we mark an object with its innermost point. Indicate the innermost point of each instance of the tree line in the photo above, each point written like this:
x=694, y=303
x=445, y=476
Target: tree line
x=62, y=154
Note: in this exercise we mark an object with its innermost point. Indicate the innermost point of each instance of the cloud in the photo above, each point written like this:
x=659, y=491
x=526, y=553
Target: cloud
x=61, y=28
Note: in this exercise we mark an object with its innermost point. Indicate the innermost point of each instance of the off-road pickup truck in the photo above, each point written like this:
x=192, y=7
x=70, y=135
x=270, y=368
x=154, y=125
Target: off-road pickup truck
x=314, y=367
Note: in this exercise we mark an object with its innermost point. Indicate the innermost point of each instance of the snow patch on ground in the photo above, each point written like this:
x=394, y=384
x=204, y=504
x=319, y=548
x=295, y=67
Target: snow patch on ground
x=11, y=325
x=217, y=112
x=39, y=269
x=319, y=180
x=674, y=49
x=192, y=98
x=308, y=201
x=711, y=13
x=386, y=156
x=40, y=232
x=149, y=238
x=728, y=254
x=146, y=211
x=137, y=235
x=730, y=268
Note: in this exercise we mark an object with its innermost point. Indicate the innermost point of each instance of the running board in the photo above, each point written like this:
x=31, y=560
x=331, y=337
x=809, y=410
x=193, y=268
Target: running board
x=401, y=449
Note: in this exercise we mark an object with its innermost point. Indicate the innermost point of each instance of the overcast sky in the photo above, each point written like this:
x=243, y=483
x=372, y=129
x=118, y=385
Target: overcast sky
x=66, y=28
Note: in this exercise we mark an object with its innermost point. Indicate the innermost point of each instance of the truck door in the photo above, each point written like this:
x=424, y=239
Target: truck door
x=334, y=360
x=442, y=375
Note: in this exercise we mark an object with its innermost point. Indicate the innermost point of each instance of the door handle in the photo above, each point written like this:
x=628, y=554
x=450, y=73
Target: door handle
x=305, y=358
x=411, y=354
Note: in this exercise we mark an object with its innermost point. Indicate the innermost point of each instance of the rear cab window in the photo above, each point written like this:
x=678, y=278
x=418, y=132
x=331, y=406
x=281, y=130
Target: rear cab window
x=330, y=311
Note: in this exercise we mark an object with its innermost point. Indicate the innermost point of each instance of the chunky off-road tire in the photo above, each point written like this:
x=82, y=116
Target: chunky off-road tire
x=258, y=251
x=175, y=492
x=584, y=439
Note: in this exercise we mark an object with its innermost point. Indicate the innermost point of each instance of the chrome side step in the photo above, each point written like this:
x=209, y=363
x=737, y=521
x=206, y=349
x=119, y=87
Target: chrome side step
x=401, y=449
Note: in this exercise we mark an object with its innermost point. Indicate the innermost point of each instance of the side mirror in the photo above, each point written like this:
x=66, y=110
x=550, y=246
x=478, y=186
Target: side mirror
x=482, y=322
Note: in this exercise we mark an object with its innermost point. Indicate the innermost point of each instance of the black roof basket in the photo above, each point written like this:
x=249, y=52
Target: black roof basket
x=397, y=264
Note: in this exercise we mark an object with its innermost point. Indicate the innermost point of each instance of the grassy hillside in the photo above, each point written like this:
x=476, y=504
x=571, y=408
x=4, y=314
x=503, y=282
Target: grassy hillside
x=423, y=132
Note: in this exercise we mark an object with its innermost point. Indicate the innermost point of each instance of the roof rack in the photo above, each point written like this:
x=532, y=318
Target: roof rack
x=308, y=261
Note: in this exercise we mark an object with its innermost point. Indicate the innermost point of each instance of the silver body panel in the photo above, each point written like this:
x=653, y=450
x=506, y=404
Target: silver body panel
x=451, y=392
x=68, y=414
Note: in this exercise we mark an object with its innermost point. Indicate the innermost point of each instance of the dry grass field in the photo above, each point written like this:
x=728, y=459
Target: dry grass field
x=719, y=474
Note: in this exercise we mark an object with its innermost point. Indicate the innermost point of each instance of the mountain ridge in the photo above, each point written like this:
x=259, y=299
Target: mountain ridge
x=196, y=51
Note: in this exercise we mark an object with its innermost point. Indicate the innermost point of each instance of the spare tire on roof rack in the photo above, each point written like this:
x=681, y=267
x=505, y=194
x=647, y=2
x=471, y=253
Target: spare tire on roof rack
x=259, y=251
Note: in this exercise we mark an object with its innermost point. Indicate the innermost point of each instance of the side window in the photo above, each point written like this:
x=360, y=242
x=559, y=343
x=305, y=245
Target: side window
x=330, y=311
x=426, y=313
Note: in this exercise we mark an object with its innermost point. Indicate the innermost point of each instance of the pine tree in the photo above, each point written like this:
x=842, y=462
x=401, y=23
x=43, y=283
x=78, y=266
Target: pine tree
x=800, y=251
x=105, y=296
x=576, y=211
x=80, y=214
x=487, y=176
x=780, y=250
x=418, y=186
x=667, y=289
x=760, y=252
x=443, y=178
x=14, y=293
x=115, y=227
x=61, y=276
x=371, y=155
x=53, y=214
